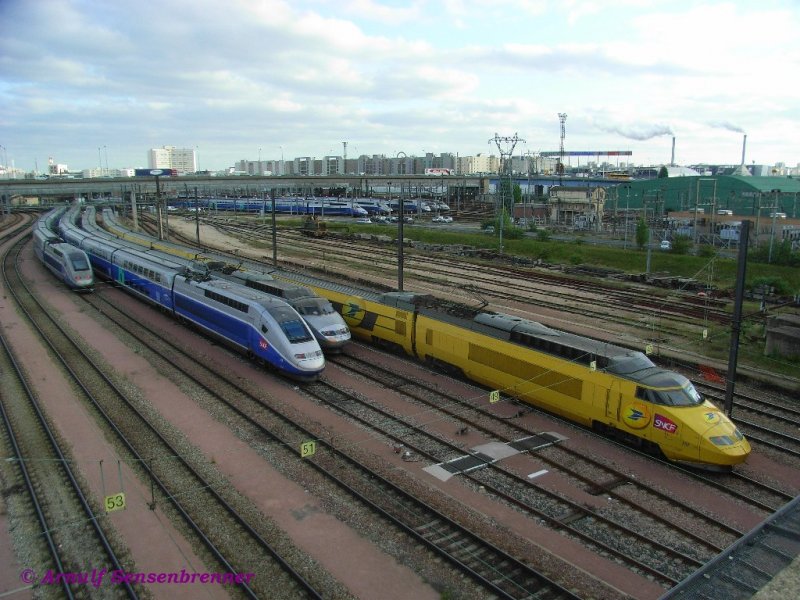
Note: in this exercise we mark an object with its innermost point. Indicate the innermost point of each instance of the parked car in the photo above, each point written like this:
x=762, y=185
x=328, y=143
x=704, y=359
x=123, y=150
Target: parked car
x=364, y=220
x=666, y=245
x=447, y=219
x=438, y=219
x=408, y=219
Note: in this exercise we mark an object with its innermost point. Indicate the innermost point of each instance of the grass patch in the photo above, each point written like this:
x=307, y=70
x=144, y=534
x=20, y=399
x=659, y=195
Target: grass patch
x=630, y=260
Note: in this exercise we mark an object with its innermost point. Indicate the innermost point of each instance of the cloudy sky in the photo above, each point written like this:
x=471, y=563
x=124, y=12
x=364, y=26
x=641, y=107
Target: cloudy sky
x=91, y=82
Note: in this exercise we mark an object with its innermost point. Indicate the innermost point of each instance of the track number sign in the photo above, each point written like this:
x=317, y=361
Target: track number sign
x=648, y=349
x=494, y=396
x=114, y=502
x=308, y=449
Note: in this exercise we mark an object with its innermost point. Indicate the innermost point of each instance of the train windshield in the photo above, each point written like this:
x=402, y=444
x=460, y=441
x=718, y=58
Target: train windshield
x=79, y=262
x=296, y=332
x=313, y=307
x=685, y=396
x=289, y=321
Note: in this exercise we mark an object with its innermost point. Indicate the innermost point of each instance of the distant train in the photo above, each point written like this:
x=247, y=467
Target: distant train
x=261, y=326
x=68, y=263
x=327, y=325
x=605, y=387
x=285, y=205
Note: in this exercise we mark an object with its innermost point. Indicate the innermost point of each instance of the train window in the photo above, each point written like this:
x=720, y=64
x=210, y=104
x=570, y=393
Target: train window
x=264, y=329
x=240, y=306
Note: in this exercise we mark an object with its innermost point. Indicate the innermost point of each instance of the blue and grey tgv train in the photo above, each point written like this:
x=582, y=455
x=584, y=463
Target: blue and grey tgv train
x=68, y=263
x=325, y=323
x=263, y=327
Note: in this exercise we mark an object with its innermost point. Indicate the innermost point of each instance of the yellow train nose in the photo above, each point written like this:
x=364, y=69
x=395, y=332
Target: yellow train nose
x=724, y=445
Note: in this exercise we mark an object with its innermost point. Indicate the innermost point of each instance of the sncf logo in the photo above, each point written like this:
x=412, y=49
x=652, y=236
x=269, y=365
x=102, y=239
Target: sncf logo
x=662, y=422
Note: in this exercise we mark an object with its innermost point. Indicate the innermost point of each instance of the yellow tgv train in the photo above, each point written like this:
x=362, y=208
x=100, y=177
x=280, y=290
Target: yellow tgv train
x=599, y=385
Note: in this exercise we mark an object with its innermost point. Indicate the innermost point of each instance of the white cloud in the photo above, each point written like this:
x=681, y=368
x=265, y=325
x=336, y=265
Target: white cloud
x=309, y=73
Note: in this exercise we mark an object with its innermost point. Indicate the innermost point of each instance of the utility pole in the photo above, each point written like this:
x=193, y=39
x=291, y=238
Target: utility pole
x=196, y=216
x=274, y=231
x=736, y=324
x=505, y=145
x=159, y=208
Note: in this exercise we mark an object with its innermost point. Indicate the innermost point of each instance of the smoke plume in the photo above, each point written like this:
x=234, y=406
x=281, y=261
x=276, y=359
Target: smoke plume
x=640, y=133
x=727, y=125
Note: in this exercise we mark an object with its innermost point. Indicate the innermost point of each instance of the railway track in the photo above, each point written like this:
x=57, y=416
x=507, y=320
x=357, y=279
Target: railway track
x=69, y=525
x=517, y=281
x=761, y=496
x=595, y=476
x=773, y=424
x=643, y=553
x=209, y=512
x=497, y=571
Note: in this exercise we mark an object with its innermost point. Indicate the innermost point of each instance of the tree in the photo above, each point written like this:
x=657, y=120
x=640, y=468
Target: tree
x=642, y=233
x=663, y=173
x=517, y=193
x=681, y=244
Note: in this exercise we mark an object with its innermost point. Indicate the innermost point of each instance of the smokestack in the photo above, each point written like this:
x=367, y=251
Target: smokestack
x=744, y=145
x=672, y=160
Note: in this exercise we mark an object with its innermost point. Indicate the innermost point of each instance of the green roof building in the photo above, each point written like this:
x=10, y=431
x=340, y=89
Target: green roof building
x=745, y=196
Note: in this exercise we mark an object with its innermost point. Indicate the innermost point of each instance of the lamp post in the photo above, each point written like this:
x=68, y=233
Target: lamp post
x=400, y=234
